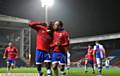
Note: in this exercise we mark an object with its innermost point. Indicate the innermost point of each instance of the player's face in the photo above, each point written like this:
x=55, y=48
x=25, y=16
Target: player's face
x=10, y=44
x=57, y=25
x=89, y=46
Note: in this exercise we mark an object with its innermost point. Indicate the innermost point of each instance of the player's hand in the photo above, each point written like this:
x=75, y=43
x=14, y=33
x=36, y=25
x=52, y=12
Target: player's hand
x=58, y=44
x=16, y=57
x=4, y=57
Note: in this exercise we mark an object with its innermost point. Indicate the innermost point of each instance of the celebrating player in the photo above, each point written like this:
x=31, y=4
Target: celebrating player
x=89, y=58
x=11, y=53
x=42, y=47
x=60, y=42
x=100, y=54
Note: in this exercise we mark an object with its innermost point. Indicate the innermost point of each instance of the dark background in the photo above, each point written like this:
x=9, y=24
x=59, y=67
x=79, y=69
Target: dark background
x=81, y=17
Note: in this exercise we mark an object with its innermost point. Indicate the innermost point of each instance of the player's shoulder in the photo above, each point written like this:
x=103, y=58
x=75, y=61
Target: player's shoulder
x=65, y=32
x=43, y=27
x=6, y=48
x=14, y=47
x=94, y=46
x=100, y=45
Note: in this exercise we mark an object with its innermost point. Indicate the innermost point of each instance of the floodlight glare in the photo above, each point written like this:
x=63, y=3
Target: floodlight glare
x=47, y=3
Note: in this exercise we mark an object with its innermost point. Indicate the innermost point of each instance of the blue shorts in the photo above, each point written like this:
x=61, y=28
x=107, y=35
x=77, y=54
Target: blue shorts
x=59, y=57
x=11, y=61
x=42, y=56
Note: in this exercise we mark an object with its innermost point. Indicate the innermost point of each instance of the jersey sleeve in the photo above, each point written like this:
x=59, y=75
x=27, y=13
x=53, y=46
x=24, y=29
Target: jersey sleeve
x=101, y=47
x=34, y=25
x=66, y=39
x=52, y=45
x=94, y=48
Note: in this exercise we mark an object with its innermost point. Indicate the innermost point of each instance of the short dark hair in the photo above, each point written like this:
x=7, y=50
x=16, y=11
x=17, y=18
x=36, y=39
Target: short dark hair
x=98, y=41
x=50, y=25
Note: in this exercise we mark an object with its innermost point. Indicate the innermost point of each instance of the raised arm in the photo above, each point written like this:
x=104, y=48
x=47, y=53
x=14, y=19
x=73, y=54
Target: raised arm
x=35, y=26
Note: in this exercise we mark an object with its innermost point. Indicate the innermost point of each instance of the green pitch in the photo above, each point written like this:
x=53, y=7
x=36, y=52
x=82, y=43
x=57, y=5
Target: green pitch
x=72, y=71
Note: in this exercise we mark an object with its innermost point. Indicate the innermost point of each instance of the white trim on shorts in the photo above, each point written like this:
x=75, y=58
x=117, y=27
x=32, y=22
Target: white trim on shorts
x=44, y=61
x=62, y=63
x=13, y=64
x=54, y=62
x=47, y=60
x=58, y=62
x=38, y=63
x=7, y=61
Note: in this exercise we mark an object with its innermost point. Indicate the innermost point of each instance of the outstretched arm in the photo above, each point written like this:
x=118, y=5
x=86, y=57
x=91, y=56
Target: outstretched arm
x=35, y=26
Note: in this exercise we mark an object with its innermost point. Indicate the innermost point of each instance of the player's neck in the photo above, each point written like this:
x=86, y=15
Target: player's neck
x=10, y=46
x=59, y=30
